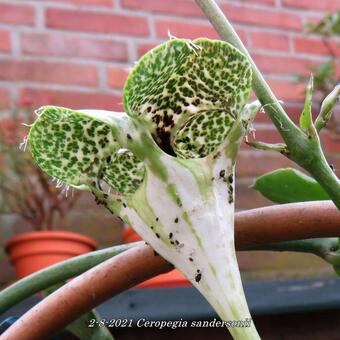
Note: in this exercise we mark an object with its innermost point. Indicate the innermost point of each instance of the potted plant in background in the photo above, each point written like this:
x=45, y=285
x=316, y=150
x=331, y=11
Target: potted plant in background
x=26, y=191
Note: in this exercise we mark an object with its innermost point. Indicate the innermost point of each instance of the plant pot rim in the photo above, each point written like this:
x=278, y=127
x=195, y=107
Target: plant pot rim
x=49, y=234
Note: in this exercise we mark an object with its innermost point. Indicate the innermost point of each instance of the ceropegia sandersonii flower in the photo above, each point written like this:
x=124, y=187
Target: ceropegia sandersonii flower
x=169, y=160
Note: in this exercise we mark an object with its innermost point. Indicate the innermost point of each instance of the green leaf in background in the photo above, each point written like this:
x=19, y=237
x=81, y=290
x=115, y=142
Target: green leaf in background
x=289, y=185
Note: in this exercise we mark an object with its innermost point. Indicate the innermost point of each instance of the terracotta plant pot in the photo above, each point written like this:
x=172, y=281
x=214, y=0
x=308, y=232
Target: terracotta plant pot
x=173, y=278
x=32, y=251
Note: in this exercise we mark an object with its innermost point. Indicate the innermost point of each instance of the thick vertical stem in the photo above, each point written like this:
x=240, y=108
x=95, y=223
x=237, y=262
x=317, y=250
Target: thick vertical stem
x=322, y=172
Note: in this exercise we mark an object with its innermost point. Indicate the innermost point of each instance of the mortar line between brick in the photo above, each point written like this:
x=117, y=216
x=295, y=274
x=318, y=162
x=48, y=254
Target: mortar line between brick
x=57, y=87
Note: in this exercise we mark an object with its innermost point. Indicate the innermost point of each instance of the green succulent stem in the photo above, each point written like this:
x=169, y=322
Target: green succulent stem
x=317, y=165
x=279, y=147
x=302, y=150
x=325, y=248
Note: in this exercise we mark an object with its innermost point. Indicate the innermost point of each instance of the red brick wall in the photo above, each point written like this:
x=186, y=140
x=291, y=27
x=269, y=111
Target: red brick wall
x=76, y=53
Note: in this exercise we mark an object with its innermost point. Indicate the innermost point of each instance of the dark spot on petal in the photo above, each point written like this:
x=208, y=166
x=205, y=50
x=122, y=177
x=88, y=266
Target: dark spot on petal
x=198, y=277
x=178, y=110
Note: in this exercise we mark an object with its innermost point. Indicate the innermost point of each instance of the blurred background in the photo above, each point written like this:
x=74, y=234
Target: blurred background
x=77, y=53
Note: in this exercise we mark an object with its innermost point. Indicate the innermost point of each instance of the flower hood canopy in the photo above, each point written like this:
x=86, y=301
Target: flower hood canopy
x=186, y=94
x=189, y=94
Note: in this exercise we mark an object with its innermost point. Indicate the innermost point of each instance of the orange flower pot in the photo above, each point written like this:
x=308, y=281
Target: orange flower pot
x=171, y=279
x=32, y=251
